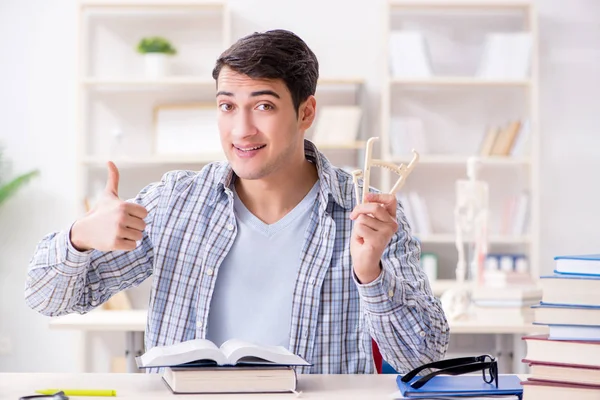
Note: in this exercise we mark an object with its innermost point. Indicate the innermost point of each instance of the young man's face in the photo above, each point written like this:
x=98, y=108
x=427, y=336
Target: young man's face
x=260, y=131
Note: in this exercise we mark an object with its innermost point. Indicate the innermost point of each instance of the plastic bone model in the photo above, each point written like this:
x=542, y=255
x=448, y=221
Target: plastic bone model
x=471, y=220
x=401, y=170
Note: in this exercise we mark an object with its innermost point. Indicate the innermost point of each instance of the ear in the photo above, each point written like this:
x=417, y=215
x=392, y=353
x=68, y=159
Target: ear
x=306, y=113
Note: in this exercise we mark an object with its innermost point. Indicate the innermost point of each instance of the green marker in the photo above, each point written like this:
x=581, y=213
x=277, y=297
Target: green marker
x=79, y=392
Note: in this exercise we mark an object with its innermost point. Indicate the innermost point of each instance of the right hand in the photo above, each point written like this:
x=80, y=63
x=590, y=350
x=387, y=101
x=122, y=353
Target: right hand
x=112, y=224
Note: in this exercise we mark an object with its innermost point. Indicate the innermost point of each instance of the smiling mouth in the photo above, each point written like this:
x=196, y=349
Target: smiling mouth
x=247, y=149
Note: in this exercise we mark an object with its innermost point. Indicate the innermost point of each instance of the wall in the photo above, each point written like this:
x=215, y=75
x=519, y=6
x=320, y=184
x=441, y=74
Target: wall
x=37, y=93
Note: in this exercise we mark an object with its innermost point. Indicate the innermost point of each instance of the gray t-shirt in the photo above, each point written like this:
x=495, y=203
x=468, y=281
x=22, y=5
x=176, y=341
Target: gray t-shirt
x=253, y=293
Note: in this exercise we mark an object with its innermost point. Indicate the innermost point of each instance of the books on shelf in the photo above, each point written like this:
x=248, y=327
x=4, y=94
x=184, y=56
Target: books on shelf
x=501, y=296
x=496, y=278
x=416, y=212
x=186, y=129
x=507, y=140
x=506, y=56
x=337, y=125
x=200, y=352
x=566, y=361
x=246, y=379
x=515, y=214
x=408, y=55
x=406, y=134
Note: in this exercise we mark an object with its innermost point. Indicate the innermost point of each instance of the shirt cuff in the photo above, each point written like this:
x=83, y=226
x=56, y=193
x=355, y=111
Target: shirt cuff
x=382, y=296
x=70, y=261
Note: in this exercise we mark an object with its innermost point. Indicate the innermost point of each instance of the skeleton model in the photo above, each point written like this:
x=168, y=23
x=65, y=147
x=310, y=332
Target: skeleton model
x=401, y=170
x=471, y=219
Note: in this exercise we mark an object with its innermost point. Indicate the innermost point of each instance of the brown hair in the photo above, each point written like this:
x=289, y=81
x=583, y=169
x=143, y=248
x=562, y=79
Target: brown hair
x=275, y=54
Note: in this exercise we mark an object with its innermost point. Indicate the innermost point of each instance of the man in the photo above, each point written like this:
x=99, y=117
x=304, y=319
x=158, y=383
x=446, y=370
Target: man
x=269, y=247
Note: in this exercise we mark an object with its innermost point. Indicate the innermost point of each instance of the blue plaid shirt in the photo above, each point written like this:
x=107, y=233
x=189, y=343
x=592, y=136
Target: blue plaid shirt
x=191, y=227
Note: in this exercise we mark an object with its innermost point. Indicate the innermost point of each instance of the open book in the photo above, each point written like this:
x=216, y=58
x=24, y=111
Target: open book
x=204, y=352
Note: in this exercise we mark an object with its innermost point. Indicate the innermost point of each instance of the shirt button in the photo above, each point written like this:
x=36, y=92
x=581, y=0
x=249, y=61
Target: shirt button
x=229, y=227
x=390, y=293
x=312, y=281
x=306, y=333
x=209, y=272
x=422, y=333
x=199, y=324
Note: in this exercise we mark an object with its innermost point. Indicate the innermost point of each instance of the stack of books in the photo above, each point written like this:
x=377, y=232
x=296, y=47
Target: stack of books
x=506, y=304
x=199, y=366
x=565, y=363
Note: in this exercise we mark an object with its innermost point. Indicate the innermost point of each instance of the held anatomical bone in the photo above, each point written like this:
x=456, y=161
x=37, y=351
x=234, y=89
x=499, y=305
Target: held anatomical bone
x=402, y=170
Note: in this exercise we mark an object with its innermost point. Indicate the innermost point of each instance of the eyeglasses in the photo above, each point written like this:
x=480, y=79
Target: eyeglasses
x=456, y=366
x=56, y=396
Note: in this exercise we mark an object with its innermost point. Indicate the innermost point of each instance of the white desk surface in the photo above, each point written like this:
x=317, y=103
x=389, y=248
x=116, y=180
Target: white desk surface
x=150, y=386
x=135, y=321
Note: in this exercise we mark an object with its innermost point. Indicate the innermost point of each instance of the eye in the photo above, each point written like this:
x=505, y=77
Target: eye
x=265, y=107
x=225, y=107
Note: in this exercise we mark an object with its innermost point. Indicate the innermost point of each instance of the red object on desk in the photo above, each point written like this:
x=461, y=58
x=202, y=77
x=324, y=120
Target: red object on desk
x=377, y=356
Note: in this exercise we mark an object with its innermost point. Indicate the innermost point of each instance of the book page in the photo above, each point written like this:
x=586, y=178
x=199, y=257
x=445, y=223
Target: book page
x=239, y=351
x=181, y=353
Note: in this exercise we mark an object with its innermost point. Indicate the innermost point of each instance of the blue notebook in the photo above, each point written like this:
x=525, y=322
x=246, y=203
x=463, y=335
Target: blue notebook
x=462, y=386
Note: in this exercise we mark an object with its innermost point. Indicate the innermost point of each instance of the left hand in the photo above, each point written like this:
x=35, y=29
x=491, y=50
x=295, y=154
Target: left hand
x=374, y=226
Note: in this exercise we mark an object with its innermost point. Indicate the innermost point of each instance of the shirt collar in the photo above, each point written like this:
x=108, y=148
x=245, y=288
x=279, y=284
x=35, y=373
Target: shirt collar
x=333, y=181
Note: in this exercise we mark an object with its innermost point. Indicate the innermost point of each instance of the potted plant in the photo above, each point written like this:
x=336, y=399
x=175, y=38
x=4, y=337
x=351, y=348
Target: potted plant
x=156, y=51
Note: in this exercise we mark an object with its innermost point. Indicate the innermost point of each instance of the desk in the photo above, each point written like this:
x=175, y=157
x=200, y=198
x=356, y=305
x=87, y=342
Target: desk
x=133, y=324
x=150, y=386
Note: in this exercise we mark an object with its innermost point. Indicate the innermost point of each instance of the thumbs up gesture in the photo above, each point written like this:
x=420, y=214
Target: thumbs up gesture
x=112, y=224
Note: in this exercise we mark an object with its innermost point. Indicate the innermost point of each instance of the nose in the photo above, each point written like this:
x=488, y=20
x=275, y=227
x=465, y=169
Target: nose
x=243, y=125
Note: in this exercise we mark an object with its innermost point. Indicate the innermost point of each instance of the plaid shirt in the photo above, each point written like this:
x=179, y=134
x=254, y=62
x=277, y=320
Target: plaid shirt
x=191, y=227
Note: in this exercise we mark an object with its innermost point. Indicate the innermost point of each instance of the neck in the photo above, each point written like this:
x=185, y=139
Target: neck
x=271, y=198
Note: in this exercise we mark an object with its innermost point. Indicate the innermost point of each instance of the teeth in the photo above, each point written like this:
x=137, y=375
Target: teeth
x=251, y=148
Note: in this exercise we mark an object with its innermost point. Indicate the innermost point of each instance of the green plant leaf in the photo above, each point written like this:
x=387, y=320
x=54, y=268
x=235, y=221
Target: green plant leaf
x=155, y=44
x=9, y=189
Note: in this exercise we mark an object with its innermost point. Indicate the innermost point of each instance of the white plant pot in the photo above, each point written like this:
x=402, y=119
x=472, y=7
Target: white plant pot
x=157, y=65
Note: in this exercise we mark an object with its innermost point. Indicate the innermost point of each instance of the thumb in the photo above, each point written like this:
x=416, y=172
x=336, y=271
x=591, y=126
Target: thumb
x=112, y=183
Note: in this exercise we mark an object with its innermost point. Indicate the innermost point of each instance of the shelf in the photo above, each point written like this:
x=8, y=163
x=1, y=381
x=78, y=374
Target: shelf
x=208, y=4
x=448, y=238
x=458, y=81
x=340, y=81
x=141, y=84
x=462, y=160
x=439, y=286
x=178, y=81
x=98, y=161
x=360, y=145
x=464, y=4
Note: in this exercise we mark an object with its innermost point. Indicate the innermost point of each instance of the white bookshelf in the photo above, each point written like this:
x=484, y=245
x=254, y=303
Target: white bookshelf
x=458, y=81
x=446, y=159
x=443, y=89
x=447, y=238
x=116, y=98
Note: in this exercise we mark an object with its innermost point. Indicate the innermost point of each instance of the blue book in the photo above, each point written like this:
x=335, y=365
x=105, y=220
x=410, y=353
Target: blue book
x=587, y=264
x=462, y=386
